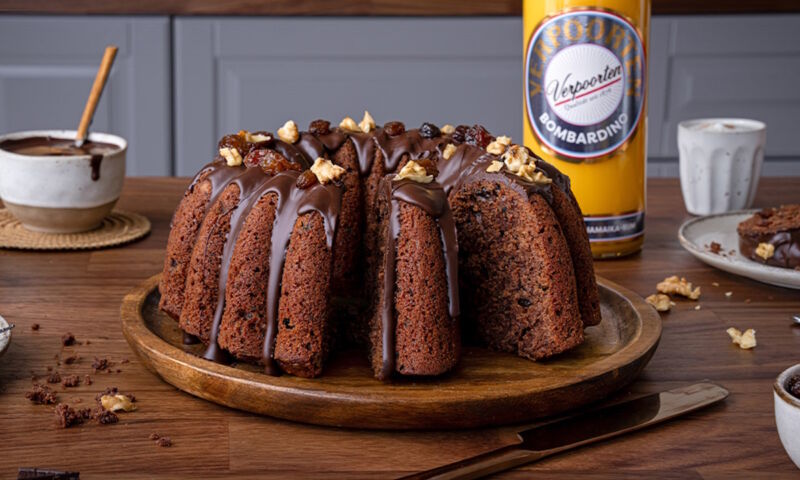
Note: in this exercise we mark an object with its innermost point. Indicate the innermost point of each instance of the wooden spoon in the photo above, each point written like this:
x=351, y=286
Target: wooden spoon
x=94, y=95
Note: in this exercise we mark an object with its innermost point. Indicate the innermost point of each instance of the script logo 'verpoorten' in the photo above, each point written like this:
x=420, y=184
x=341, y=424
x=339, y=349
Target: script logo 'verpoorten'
x=585, y=86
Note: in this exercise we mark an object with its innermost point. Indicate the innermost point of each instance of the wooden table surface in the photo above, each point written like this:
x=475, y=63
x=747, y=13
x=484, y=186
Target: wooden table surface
x=80, y=292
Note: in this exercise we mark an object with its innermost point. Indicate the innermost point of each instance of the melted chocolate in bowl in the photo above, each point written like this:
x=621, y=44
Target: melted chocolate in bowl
x=61, y=147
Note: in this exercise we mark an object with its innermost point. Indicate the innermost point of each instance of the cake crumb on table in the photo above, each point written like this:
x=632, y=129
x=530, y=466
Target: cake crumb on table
x=105, y=417
x=35, y=327
x=42, y=395
x=71, y=381
x=54, y=377
x=101, y=364
x=164, y=442
x=68, y=339
x=66, y=416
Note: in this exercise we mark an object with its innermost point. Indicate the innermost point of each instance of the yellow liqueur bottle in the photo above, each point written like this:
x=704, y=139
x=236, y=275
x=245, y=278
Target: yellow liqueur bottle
x=585, y=108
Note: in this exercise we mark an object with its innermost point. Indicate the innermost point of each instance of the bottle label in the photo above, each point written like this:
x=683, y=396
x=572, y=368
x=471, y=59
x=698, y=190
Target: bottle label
x=585, y=82
x=615, y=228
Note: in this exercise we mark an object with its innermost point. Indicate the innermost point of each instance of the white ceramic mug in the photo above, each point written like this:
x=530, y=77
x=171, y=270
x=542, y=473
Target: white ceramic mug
x=720, y=163
x=787, y=414
x=57, y=194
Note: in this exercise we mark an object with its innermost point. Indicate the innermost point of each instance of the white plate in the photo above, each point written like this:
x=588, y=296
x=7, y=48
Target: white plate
x=5, y=337
x=696, y=234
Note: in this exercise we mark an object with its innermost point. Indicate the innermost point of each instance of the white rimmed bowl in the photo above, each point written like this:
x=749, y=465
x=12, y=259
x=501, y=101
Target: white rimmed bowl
x=787, y=414
x=56, y=194
x=5, y=337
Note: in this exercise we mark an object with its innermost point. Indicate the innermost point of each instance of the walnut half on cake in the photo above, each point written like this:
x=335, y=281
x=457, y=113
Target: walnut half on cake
x=772, y=236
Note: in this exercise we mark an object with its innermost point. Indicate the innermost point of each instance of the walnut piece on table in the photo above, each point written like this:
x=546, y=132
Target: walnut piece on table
x=661, y=302
x=746, y=340
x=678, y=286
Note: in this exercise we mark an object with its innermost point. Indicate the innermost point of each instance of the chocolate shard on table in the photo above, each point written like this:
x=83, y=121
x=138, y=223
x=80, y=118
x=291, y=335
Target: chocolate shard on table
x=30, y=473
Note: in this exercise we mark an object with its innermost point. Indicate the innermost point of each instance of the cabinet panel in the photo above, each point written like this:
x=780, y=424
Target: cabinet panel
x=729, y=66
x=48, y=64
x=258, y=73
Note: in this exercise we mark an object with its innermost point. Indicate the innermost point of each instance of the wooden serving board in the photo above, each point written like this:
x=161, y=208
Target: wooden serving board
x=487, y=388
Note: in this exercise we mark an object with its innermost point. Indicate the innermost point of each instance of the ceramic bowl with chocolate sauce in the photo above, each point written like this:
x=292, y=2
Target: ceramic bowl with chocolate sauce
x=786, y=393
x=52, y=186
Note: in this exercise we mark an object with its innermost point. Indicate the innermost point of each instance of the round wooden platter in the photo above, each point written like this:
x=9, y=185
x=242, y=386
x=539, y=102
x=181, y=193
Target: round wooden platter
x=487, y=388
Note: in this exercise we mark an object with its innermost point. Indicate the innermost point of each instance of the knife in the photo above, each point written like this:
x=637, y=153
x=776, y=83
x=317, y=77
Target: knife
x=582, y=429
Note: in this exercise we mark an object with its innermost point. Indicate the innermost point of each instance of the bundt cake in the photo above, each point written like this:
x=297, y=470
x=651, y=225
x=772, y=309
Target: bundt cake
x=414, y=225
x=772, y=236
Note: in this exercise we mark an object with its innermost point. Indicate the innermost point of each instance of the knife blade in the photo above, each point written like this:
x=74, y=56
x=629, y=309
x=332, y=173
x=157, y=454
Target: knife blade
x=582, y=429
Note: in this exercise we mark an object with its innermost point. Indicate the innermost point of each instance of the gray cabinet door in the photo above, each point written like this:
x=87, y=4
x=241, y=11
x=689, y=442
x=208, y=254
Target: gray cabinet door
x=726, y=66
x=255, y=74
x=233, y=73
x=48, y=64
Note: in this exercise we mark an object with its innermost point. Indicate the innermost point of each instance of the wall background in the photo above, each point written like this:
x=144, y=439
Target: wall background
x=180, y=83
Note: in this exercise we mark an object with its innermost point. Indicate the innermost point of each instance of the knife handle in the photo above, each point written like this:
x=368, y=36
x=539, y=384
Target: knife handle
x=583, y=429
x=484, y=464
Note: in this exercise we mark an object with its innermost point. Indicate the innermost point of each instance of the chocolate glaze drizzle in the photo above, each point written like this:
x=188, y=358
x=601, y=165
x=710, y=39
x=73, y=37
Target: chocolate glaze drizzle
x=468, y=163
x=432, y=199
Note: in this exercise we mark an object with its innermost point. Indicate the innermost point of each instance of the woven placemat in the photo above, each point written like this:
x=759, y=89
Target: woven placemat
x=117, y=228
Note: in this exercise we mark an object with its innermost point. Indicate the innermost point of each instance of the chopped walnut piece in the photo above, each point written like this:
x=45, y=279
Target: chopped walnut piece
x=746, y=340
x=367, y=124
x=257, y=137
x=503, y=140
x=528, y=172
x=231, y=155
x=350, y=125
x=680, y=286
x=515, y=157
x=447, y=129
x=660, y=301
x=414, y=172
x=326, y=171
x=448, y=151
x=117, y=402
x=288, y=132
x=765, y=250
x=494, y=167
x=496, y=148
